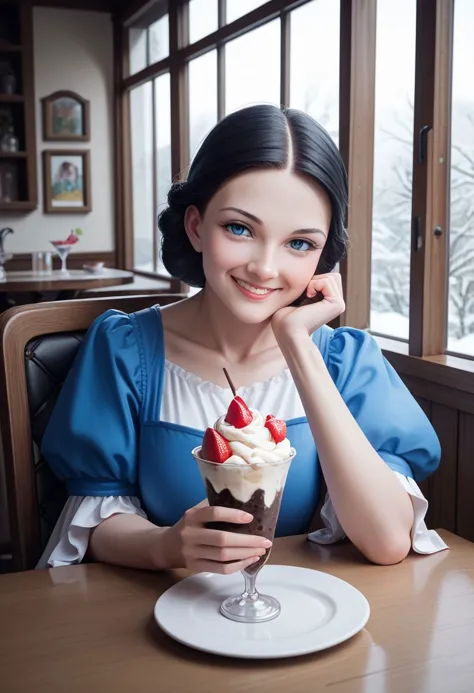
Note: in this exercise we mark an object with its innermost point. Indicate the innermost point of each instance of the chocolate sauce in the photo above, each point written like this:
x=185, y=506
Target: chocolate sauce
x=264, y=519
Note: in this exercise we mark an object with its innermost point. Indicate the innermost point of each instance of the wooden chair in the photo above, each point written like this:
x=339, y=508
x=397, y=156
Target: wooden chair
x=38, y=345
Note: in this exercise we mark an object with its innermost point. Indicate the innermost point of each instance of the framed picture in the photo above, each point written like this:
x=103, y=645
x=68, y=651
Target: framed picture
x=66, y=117
x=66, y=181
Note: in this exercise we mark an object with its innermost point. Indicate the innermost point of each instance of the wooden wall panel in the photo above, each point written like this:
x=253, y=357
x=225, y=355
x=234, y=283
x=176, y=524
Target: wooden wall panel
x=425, y=404
x=465, y=495
x=443, y=483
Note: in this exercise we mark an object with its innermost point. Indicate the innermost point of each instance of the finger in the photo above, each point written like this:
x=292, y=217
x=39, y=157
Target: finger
x=329, y=289
x=203, y=504
x=223, y=554
x=311, y=290
x=221, y=568
x=201, y=515
x=217, y=537
x=321, y=285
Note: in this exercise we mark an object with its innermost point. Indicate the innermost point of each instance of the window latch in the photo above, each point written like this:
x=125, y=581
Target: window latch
x=417, y=240
x=423, y=143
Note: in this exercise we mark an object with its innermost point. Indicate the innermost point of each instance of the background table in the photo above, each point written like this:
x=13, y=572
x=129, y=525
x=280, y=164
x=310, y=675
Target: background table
x=72, y=280
x=91, y=628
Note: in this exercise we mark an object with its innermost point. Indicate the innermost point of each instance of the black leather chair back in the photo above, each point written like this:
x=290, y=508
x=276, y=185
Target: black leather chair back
x=47, y=363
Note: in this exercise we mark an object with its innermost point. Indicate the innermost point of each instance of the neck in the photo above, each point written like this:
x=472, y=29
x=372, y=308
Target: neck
x=218, y=329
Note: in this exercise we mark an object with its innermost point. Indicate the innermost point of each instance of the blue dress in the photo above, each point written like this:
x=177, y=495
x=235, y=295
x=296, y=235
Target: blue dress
x=105, y=437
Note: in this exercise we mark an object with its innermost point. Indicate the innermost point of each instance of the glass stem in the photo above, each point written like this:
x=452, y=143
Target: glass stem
x=63, y=264
x=250, y=590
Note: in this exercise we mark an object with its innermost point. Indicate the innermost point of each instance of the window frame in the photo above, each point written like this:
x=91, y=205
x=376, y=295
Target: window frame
x=430, y=192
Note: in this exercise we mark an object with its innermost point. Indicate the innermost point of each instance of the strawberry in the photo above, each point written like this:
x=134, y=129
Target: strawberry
x=238, y=414
x=277, y=428
x=215, y=448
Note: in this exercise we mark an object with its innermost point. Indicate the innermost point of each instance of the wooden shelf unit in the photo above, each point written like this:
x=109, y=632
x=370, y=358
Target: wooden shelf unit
x=16, y=53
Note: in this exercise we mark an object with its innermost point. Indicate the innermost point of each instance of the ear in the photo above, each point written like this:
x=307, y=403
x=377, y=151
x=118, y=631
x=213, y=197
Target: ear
x=192, y=224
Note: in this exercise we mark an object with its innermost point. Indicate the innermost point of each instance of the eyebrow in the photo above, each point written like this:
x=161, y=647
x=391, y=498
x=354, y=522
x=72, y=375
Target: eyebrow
x=252, y=217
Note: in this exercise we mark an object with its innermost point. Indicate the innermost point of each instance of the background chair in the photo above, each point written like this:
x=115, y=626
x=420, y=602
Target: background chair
x=38, y=344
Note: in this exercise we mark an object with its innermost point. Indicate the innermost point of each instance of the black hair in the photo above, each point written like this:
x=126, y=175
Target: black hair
x=256, y=137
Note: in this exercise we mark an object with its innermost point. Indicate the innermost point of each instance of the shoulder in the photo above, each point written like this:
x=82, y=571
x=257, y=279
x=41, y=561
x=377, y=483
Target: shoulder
x=112, y=327
x=176, y=317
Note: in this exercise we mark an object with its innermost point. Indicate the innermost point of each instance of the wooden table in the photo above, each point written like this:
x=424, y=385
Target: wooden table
x=72, y=280
x=90, y=629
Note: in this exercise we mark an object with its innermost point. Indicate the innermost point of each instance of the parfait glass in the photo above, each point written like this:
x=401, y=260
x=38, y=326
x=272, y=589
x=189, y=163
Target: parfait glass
x=256, y=489
x=62, y=250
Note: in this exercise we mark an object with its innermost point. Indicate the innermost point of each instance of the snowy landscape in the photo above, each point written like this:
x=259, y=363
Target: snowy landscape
x=252, y=75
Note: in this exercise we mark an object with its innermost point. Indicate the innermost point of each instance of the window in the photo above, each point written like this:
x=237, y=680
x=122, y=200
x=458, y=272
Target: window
x=253, y=68
x=309, y=55
x=148, y=38
x=461, y=228
x=314, y=84
x=393, y=158
x=158, y=40
x=202, y=98
x=202, y=19
x=162, y=154
x=141, y=111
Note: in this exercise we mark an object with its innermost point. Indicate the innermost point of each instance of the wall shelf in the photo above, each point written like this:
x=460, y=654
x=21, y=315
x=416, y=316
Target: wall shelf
x=12, y=98
x=18, y=176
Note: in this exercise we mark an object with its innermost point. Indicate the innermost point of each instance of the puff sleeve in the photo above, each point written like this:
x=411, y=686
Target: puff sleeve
x=91, y=439
x=384, y=408
x=392, y=421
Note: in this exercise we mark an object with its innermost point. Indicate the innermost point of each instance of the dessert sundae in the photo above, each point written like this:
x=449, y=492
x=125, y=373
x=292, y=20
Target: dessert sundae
x=249, y=457
x=244, y=461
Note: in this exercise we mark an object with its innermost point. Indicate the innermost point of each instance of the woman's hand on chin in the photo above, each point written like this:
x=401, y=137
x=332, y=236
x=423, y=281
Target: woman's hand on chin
x=311, y=315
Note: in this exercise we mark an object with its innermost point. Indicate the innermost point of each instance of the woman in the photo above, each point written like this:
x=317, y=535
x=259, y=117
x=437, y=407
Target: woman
x=259, y=224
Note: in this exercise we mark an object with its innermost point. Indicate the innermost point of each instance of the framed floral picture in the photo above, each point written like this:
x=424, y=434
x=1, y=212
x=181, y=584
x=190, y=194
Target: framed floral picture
x=66, y=117
x=66, y=181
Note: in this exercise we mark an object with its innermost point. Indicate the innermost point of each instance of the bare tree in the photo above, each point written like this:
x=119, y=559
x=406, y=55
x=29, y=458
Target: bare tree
x=391, y=233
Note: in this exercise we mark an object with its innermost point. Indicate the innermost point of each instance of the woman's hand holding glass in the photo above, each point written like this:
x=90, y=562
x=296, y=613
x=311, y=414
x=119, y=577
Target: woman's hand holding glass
x=196, y=547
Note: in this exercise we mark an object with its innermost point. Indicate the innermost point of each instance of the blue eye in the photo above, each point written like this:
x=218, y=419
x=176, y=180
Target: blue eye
x=300, y=244
x=237, y=229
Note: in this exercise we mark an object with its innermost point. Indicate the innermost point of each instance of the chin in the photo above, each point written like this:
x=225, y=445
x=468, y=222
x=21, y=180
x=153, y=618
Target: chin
x=253, y=313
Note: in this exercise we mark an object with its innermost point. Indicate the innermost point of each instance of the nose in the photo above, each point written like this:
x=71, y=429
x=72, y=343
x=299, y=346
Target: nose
x=263, y=266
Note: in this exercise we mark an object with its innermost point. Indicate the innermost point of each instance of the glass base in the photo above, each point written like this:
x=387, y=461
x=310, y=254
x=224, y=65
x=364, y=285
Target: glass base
x=248, y=610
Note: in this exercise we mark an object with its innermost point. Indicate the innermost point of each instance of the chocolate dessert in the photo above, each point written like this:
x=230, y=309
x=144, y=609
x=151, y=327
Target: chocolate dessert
x=264, y=519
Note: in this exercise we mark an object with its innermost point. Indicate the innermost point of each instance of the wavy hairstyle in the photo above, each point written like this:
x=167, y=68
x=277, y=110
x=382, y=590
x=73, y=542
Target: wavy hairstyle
x=256, y=137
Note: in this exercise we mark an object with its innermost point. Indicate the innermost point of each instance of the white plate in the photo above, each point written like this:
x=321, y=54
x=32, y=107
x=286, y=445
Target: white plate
x=317, y=611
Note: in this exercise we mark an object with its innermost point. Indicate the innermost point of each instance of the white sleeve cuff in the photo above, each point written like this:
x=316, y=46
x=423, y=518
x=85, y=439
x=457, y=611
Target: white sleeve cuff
x=70, y=538
x=423, y=540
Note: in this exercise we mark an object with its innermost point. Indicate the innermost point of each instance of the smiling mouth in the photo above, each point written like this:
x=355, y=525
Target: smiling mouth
x=251, y=288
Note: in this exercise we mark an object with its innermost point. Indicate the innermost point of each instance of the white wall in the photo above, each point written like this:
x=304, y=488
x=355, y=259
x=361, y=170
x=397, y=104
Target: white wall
x=73, y=50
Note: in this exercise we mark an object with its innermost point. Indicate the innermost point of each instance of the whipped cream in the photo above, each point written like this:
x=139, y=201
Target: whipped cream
x=243, y=480
x=253, y=444
x=257, y=462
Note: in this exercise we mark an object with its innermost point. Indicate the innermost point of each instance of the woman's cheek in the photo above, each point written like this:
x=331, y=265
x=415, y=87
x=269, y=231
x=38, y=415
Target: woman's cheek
x=302, y=271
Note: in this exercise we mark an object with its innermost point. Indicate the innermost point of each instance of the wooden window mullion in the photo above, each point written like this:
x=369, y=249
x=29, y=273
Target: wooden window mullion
x=179, y=33
x=154, y=159
x=285, y=58
x=123, y=152
x=431, y=160
x=356, y=143
x=222, y=12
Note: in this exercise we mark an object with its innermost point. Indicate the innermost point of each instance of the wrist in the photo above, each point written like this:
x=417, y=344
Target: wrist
x=294, y=341
x=160, y=549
